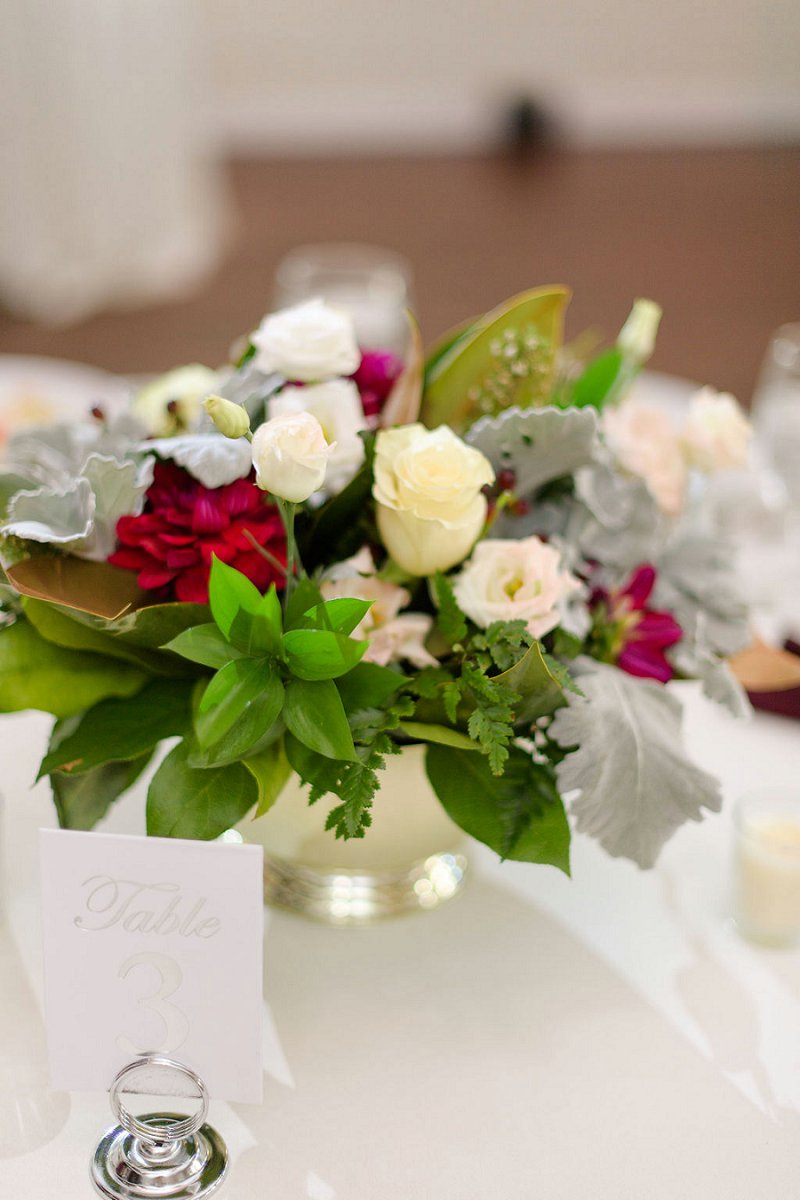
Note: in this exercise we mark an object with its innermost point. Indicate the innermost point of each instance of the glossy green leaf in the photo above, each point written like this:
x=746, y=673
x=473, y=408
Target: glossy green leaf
x=439, y=734
x=320, y=654
x=204, y=644
x=271, y=770
x=122, y=729
x=35, y=673
x=520, y=815
x=305, y=595
x=368, y=686
x=314, y=713
x=340, y=615
x=470, y=370
x=188, y=803
x=592, y=388
x=60, y=627
x=531, y=677
x=82, y=800
x=250, y=621
x=231, y=690
x=255, y=721
x=150, y=627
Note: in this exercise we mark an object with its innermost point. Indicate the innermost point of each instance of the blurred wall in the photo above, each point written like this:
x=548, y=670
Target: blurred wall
x=379, y=74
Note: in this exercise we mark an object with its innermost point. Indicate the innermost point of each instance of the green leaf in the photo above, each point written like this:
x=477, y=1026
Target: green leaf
x=597, y=381
x=368, y=686
x=314, y=713
x=319, y=654
x=475, y=366
x=450, y=619
x=305, y=595
x=340, y=615
x=257, y=719
x=519, y=815
x=81, y=800
x=234, y=687
x=541, y=693
x=439, y=734
x=150, y=627
x=188, y=803
x=561, y=675
x=204, y=644
x=270, y=769
x=250, y=621
x=35, y=673
x=60, y=627
x=122, y=729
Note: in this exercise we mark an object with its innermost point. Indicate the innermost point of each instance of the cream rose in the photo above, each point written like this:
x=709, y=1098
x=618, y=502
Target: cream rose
x=172, y=403
x=646, y=444
x=716, y=433
x=337, y=406
x=430, y=506
x=309, y=342
x=290, y=455
x=514, y=581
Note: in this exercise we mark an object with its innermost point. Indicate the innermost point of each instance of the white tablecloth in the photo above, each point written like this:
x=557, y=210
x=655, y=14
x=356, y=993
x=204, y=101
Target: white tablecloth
x=607, y=1037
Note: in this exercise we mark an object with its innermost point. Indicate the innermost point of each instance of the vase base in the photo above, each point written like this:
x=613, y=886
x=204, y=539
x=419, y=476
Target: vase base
x=359, y=897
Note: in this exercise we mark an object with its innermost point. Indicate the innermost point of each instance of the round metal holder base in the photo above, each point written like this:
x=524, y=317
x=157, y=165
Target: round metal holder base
x=359, y=897
x=126, y=1167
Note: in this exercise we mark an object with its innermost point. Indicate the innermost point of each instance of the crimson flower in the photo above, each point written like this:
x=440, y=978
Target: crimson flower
x=171, y=544
x=629, y=633
x=375, y=379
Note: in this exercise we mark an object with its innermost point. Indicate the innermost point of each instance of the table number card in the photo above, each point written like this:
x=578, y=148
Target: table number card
x=152, y=945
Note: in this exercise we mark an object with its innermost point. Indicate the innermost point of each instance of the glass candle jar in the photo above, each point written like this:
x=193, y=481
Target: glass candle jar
x=767, y=866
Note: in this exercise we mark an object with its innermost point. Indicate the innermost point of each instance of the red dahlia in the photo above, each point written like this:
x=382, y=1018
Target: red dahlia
x=170, y=545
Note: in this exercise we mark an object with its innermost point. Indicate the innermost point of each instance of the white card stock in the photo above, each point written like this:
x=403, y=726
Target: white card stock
x=152, y=945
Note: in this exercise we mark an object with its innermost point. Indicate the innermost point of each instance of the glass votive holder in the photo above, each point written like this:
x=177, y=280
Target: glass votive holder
x=372, y=284
x=767, y=866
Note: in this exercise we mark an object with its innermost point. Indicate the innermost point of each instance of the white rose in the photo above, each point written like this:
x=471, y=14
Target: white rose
x=512, y=581
x=646, y=444
x=337, y=406
x=290, y=456
x=309, y=342
x=637, y=338
x=172, y=403
x=430, y=506
x=716, y=433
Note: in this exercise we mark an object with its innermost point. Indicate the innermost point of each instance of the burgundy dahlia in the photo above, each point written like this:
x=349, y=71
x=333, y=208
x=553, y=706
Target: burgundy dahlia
x=629, y=633
x=183, y=524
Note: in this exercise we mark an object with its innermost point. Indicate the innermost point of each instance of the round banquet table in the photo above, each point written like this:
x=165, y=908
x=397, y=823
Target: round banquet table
x=608, y=1036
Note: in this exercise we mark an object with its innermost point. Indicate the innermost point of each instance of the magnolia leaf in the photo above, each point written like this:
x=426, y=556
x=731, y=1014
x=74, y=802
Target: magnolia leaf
x=122, y=729
x=184, y=802
x=81, y=800
x=35, y=673
x=403, y=403
x=95, y=588
x=520, y=815
x=119, y=490
x=52, y=515
x=59, y=626
x=537, y=444
x=476, y=368
x=153, y=625
x=636, y=785
x=211, y=459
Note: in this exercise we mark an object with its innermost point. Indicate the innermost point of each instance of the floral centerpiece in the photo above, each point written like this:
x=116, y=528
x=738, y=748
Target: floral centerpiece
x=314, y=559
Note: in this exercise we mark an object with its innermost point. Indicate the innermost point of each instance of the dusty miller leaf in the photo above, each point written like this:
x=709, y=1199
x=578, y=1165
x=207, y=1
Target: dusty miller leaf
x=538, y=444
x=636, y=785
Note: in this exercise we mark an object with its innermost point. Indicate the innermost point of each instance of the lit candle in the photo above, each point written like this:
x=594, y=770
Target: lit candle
x=767, y=879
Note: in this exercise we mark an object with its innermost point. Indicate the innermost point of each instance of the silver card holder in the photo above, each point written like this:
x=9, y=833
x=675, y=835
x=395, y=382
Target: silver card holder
x=158, y=1156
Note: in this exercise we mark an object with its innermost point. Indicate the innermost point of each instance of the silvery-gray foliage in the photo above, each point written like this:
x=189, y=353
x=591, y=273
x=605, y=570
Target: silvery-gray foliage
x=54, y=455
x=697, y=582
x=250, y=387
x=718, y=680
x=636, y=785
x=212, y=459
x=617, y=521
x=538, y=444
x=82, y=514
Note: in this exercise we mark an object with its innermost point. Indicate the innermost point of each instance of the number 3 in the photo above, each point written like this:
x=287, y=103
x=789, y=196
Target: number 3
x=176, y=1025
